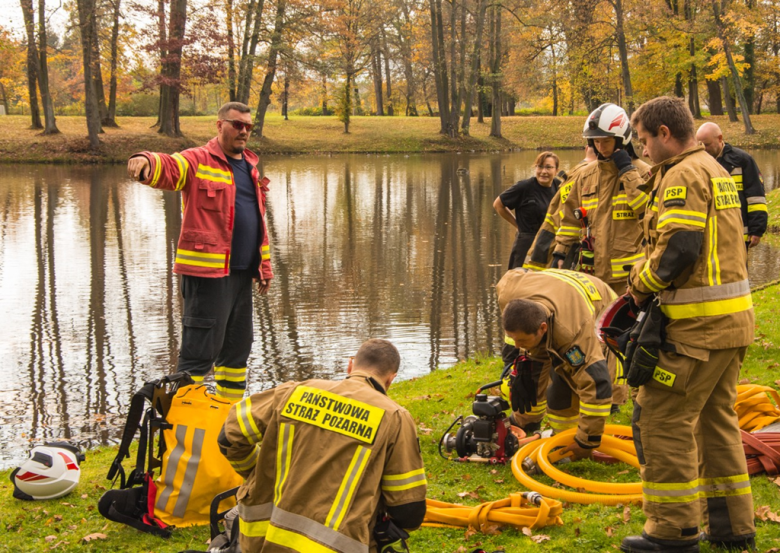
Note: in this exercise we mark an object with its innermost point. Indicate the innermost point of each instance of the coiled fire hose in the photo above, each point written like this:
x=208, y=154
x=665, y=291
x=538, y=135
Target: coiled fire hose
x=520, y=510
x=754, y=406
x=606, y=493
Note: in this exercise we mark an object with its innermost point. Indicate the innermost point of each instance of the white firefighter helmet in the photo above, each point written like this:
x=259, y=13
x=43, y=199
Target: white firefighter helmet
x=51, y=472
x=608, y=121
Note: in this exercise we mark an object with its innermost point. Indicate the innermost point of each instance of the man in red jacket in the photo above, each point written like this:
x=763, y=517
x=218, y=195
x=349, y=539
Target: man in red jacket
x=222, y=247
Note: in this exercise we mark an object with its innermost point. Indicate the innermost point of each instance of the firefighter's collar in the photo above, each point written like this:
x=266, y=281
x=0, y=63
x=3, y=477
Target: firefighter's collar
x=370, y=380
x=674, y=160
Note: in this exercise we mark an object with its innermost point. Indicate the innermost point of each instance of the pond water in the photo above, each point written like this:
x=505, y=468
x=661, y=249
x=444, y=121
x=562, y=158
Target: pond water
x=406, y=248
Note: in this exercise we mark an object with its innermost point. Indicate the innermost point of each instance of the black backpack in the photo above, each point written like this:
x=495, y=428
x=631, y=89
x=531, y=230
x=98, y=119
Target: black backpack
x=133, y=503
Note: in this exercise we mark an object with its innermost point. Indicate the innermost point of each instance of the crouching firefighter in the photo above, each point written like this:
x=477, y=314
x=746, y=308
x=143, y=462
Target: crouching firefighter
x=686, y=432
x=328, y=465
x=552, y=315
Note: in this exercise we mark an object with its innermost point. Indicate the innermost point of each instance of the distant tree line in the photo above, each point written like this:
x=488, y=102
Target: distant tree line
x=452, y=59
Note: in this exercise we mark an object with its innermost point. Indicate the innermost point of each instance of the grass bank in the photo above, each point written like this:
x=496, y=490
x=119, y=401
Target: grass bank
x=319, y=135
x=434, y=401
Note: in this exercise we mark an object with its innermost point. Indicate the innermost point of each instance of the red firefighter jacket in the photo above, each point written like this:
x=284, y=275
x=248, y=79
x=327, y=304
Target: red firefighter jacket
x=204, y=177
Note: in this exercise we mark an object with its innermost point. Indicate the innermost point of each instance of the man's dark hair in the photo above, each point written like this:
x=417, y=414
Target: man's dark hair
x=668, y=111
x=523, y=316
x=379, y=355
x=237, y=106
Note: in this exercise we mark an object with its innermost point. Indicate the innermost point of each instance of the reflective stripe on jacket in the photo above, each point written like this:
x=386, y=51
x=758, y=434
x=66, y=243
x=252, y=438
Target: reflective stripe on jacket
x=321, y=458
x=695, y=201
x=750, y=185
x=205, y=179
x=614, y=204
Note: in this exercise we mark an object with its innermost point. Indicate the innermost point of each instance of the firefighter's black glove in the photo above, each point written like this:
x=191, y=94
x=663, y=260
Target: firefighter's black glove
x=587, y=258
x=390, y=538
x=622, y=160
x=642, y=366
x=557, y=258
x=523, y=386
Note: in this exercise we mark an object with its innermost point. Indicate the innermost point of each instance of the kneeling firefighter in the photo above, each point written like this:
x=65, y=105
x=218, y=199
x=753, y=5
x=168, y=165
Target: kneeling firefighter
x=551, y=315
x=328, y=465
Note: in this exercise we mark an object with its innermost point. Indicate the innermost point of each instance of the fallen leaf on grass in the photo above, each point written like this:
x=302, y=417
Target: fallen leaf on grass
x=527, y=531
x=58, y=518
x=499, y=481
x=491, y=529
x=469, y=532
x=539, y=538
x=95, y=536
x=744, y=381
x=626, y=514
x=765, y=514
x=467, y=477
x=84, y=496
x=493, y=471
x=622, y=472
x=610, y=531
x=50, y=538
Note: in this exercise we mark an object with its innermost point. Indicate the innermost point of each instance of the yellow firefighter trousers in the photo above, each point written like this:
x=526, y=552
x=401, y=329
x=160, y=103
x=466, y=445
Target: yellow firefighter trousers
x=690, y=450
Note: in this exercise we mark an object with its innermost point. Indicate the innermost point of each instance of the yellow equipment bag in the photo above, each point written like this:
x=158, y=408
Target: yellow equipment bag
x=193, y=469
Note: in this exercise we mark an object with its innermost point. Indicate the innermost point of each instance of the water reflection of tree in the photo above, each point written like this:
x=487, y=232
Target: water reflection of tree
x=439, y=258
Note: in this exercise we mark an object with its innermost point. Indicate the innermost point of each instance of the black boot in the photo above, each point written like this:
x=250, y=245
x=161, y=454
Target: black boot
x=735, y=543
x=640, y=544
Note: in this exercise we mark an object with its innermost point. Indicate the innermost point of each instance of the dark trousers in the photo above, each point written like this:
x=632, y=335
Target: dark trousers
x=520, y=248
x=217, y=330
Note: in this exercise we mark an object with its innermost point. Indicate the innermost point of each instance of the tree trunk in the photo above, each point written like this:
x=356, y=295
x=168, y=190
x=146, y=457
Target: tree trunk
x=97, y=72
x=481, y=99
x=346, y=105
x=734, y=74
x=678, y=86
x=171, y=70
x=357, y=98
x=162, y=41
x=623, y=50
x=43, y=72
x=110, y=120
x=386, y=54
x=732, y=111
x=715, y=99
x=270, y=73
x=231, y=53
x=32, y=64
x=247, y=63
x=439, y=64
x=376, y=73
x=693, y=84
x=325, y=94
x=86, y=11
x=406, y=57
x=285, y=100
x=750, y=60
x=456, y=67
x=474, y=73
x=495, y=68
x=5, y=99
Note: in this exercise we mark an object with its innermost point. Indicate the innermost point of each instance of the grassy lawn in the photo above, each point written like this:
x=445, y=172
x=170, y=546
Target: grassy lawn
x=434, y=400
x=310, y=135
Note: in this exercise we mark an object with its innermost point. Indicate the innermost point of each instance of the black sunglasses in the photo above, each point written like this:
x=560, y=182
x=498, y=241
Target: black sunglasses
x=240, y=125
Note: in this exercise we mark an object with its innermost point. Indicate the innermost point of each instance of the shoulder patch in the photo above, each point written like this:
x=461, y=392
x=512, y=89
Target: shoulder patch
x=575, y=356
x=675, y=196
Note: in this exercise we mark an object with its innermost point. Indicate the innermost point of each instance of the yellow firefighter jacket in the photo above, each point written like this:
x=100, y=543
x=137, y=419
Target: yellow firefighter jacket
x=696, y=258
x=614, y=204
x=321, y=458
x=540, y=253
x=573, y=301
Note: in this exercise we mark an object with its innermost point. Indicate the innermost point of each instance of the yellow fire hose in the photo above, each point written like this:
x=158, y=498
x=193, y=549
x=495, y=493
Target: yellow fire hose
x=754, y=407
x=520, y=510
x=540, y=452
